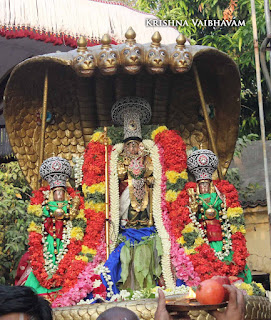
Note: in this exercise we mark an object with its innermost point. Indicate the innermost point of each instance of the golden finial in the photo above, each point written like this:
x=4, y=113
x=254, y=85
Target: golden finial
x=82, y=44
x=156, y=39
x=181, y=39
x=106, y=40
x=200, y=146
x=130, y=35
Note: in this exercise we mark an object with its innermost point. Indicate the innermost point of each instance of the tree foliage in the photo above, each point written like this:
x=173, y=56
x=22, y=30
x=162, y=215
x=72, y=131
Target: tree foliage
x=235, y=41
x=14, y=199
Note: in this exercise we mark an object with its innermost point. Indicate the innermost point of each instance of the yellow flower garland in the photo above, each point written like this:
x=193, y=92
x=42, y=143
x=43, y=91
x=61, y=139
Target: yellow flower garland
x=99, y=137
x=77, y=233
x=81, y=215
x=83, y=258
x=158, y=130
x=99, y=187
x=171, y=195
x=35, y=209
x=173, y=176
x=235, y=229
x=189, y=228
x=97, y=207
x=87, y=250
x=234, y=212
x=33, y=227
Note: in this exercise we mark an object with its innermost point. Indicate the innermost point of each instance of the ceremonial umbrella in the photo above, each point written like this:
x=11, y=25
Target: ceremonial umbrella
x=56, y=25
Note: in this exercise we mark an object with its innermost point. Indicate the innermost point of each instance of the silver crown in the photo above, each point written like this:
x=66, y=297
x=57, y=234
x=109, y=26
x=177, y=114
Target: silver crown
x=131, y=112
x=56, y=171
x=202, y=164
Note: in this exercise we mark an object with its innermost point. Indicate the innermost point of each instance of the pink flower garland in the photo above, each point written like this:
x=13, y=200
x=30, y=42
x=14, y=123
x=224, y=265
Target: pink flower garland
x=183, y=266
x=84, y=284
x=181, y=262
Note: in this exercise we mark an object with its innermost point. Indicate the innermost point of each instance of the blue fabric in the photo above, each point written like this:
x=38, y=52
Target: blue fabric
x=180, y=282
x=113, y=263
x=89, y=296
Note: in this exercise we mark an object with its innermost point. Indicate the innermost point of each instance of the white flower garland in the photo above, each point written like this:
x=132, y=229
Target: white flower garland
x=157, y=213
x=124, y=295
x=105, y=272
x=226, y=229
x=78, y=173
x=49, y=267
x=114, y=195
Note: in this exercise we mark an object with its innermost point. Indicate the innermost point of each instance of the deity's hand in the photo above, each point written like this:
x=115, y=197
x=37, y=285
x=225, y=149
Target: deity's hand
x=161, y=311
x=193, y=202
x=150, y=181
x=75, y=207
x=236, y=306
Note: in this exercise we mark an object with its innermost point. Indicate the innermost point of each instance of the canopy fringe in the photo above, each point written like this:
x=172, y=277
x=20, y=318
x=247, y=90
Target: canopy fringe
x=64, y=21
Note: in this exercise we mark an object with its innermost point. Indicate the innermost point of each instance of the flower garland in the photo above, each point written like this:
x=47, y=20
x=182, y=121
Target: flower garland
x=114, y=196
x=152, y=293
x=203, y=257
x=251, y=289
x=172, y=152
x=94, y=193
x=67, y=267
x=84, y=283
x=78, y=173
x=170, y=206
x=158, y=215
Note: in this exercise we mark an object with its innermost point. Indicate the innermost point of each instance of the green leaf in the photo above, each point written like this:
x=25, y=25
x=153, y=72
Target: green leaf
x=158, y=245
x=240, y=43
x=125, y=258
x=142, y=262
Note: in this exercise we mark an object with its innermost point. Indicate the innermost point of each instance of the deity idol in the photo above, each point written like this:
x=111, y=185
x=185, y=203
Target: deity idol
x=135, y=169
x=135, y=174
x=211, y=214
x=50, y=239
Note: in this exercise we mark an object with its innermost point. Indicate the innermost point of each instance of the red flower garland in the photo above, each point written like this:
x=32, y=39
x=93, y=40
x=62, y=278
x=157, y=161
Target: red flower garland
x=94, y=173
x=174, y=150
x=69, y=268
x=206, y=264
x=94, y=167
x=95, y=227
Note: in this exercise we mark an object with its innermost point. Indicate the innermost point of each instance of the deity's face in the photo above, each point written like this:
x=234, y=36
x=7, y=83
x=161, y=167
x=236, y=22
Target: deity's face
x=204, y=186
x=132, y=147
x=59, y=194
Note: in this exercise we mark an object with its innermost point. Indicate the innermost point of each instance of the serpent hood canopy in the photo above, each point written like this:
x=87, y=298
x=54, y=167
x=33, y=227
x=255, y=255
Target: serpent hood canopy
x=83, y=85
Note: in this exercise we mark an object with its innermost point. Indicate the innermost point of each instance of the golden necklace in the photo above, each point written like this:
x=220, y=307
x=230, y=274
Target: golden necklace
x=210, y=213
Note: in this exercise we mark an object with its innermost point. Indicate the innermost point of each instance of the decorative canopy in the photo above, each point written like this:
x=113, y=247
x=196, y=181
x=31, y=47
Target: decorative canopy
x=63, y=21
x=85, y=83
